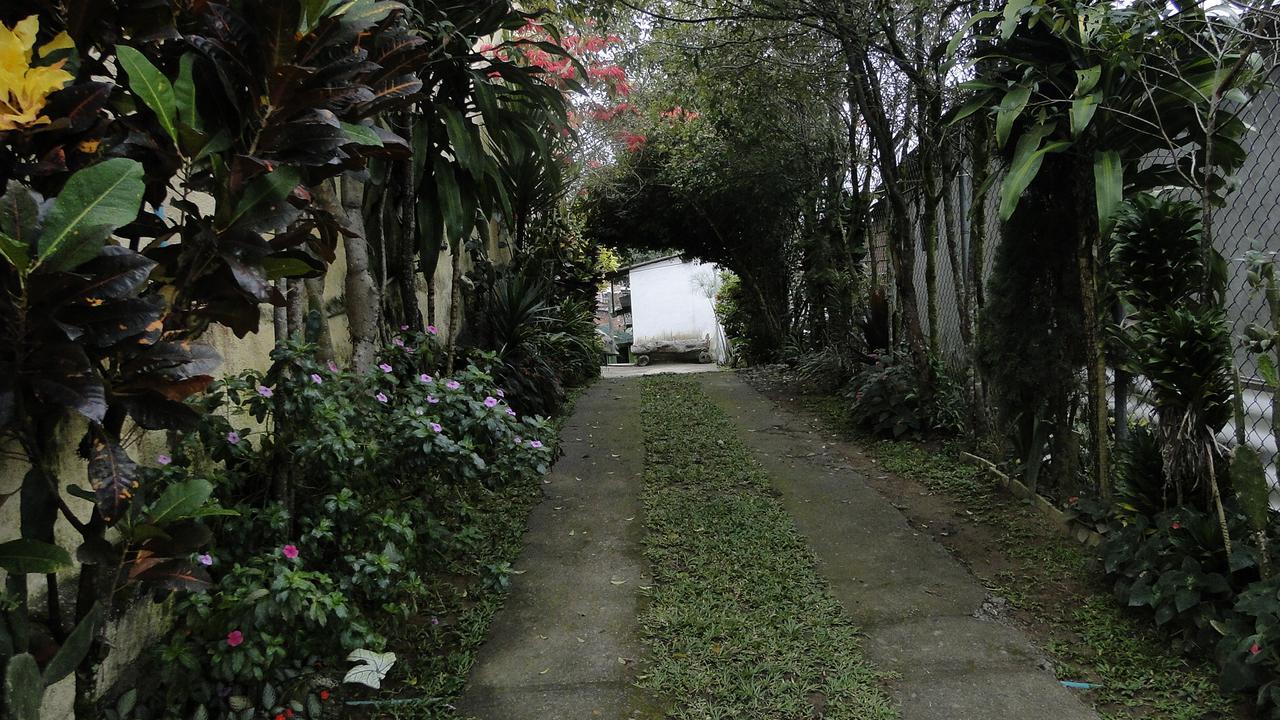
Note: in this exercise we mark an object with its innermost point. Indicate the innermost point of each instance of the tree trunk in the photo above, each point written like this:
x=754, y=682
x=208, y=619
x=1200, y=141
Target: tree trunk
x=1095, y=352
x=866, y=91
x=280, y=314
x=363, y=303
x=314, y=288
x=295, y=307
x=455, y=305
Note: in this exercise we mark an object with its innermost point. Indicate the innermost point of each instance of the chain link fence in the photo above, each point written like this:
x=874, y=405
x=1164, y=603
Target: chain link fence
x=1250, y=220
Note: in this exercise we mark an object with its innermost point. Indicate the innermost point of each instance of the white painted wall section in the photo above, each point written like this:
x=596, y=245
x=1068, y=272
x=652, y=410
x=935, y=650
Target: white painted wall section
x=673, y=299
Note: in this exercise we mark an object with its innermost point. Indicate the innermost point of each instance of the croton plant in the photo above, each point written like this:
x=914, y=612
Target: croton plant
x=155, y=160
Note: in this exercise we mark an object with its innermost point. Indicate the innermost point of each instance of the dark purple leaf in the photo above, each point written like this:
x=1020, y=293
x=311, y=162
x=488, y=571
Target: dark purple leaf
x=64, y=378
x=20, y=213
x=176, y=575
x=112, y=474
x=78, y=106
x=116, y=273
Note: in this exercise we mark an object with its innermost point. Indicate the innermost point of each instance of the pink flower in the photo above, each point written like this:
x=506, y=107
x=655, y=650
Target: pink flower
x=333, y=366
x=235, y=638
x=424, y=377
x=384, y=368
x=265, y=391
x=163, y=459
x=511, y=412
x=382, y=397
x=535, y=444
x=233, y=437
x=518, y=440
x=453, y=384
x=403, y=328
x=431, y=329
x=436, y=427
x=491, y=402
x=289, y=551
x=433, y=399
x=398, y=342
x=315, y=378
x=205, y=559
x=435, y=621
x=1176, y=525
x=499, y=393
x=1255, y=649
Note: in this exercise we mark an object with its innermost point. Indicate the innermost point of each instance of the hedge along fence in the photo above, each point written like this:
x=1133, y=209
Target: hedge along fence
x=968, y=244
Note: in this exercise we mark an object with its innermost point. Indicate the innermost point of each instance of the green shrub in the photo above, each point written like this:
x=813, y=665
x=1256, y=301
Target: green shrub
x=1173, y=564
x=889, y=399
x=347, y=488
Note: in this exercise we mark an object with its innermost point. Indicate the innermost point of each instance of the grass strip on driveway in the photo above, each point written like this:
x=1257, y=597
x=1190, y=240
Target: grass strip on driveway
x=739, y=622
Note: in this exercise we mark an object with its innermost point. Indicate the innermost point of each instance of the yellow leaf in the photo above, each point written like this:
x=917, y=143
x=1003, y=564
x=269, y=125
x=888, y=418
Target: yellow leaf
x=61, y=41
x=24, y=88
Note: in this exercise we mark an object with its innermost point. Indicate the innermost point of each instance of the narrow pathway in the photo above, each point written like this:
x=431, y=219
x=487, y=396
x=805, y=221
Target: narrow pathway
x=564, y=647
x=925, y=617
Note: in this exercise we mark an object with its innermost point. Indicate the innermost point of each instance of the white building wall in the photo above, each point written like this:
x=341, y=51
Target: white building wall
x=673, y=299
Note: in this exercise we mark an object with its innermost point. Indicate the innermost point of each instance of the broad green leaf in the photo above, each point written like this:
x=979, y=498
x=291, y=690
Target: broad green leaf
x=1012, y=11
x=93, y=203
x=967, y=109
x=275, y=185
x=359, y=15
x=216, y=144
x=964, y=29
x=1082, y=110
x=360, y=134
x=456, y=224
x=1028, y=155
x=980, y=84
x=149, y=84
x=1008, y=110
x=462, y=136
x=313, y=11
x=1087, y=80
x=285, y=266
x=184, y=92
x=1267, y=367
x=180, y=501
x=15, y=252
x=74, y=648
x=1108, y=182
x=32, y=557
